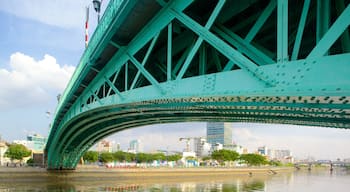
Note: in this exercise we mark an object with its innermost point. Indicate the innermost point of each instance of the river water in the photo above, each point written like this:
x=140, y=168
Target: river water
x=302, y=180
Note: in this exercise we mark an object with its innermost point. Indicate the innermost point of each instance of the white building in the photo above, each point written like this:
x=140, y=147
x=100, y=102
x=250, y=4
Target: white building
x=201, y=147
x=185, y=159
x=104, y=146
x=218, y=146
x=283, y=155
x=3, y=149
x=239, y=149
x=347, y=160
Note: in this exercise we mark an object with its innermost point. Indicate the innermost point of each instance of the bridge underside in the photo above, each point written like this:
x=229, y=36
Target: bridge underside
x=155, y=62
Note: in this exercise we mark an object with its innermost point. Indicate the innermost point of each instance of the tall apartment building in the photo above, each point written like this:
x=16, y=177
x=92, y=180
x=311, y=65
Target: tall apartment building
x=219, y=132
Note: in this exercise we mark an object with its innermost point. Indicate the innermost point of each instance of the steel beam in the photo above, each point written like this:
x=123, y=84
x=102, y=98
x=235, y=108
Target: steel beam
x=261, y=20
x=282, y=30
x=338, y=27
x=199, y=41
x=300, y=32
x=222, y=47
x=169, y=51
x=243, y=46
x=345, y=38
x=148, y=53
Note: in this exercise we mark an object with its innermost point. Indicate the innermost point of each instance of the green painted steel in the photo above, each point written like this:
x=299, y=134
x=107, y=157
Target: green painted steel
x=151, y=62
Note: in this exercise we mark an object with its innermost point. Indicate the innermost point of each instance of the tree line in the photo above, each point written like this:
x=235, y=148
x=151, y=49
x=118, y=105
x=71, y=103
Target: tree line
x=18, y=152
x=251, y=159
x=105, y=157
x=221, y=156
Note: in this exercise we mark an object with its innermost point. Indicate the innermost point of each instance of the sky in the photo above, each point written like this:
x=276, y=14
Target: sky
x=41, y=43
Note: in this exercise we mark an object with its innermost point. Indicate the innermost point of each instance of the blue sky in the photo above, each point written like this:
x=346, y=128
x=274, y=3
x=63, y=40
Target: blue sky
x=41, y=42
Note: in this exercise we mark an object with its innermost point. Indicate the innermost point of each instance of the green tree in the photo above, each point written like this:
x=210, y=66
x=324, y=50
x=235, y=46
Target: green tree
x=106, y=157
x=253, y=159
x=90, y=156
x=119, y=156
x=158, y=156
x=190, y=158
x=275, y=163
x=143, y=157
x=130, y=157
x=17, y=152
x=30, y=162
x=206, y=158
x=225, y=155
x=175, y=157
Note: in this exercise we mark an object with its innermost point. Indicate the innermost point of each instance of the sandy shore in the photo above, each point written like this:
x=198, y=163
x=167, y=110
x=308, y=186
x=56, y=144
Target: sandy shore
x=91, y=173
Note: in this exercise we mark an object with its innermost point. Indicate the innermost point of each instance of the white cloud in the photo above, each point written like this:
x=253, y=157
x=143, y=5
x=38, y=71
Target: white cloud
x=62, y=13
x=30, y=82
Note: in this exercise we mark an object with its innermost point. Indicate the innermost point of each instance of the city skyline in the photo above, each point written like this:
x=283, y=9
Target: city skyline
x=39, y=54
x=303, y=141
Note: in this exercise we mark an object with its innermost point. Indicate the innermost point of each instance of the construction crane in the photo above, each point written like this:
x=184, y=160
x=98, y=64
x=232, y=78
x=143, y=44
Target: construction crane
x=187, y=139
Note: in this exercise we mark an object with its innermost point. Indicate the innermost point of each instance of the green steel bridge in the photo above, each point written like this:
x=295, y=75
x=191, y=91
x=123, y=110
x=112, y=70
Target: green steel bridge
x=165, y=61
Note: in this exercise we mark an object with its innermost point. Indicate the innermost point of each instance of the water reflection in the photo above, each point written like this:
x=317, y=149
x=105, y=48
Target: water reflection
x=231, y=185
x=295, y=181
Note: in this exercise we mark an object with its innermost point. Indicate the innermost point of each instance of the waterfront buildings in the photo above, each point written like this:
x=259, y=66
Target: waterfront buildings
x=36, y=143
x=282, y=155
x=219, y=132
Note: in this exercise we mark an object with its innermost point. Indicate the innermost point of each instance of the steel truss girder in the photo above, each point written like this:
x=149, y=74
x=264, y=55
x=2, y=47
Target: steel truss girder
x=310, y=91
x=319, y=67
x=215, y=108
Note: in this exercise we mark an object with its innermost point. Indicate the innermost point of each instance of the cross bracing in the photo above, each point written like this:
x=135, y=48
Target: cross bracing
x=150, y=62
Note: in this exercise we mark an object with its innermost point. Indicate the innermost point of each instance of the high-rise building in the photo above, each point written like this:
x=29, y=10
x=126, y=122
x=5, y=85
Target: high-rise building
x=136, y=146
x=219, y=132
